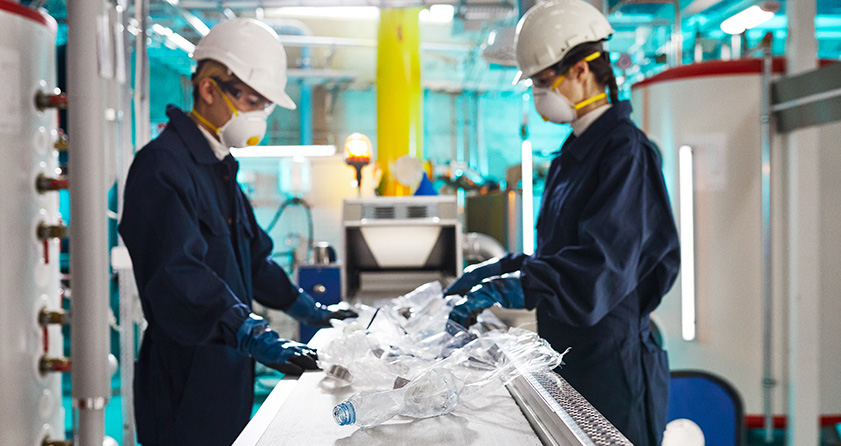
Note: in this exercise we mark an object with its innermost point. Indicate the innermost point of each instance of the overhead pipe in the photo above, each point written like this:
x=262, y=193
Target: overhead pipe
x=195, y=22
x=87, y=63
x=305, y=104
x=677, y=34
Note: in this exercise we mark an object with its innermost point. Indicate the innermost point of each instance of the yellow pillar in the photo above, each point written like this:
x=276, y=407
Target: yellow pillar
x=399, y=99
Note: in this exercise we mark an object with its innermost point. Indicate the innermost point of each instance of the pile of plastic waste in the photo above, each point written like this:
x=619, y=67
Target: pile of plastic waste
x=407, y=358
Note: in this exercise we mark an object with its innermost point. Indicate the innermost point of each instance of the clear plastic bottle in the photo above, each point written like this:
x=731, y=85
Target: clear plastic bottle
x=369, y=408
x=436, y=392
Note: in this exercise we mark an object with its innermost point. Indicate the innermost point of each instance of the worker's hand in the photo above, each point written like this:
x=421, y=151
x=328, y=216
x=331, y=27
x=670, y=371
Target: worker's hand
x=505, y=290
x=256, y=339
x=473, y=275
x=305, y=309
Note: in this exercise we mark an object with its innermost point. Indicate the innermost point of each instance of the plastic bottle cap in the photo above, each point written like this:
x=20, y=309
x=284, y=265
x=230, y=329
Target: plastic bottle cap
x=344, y=414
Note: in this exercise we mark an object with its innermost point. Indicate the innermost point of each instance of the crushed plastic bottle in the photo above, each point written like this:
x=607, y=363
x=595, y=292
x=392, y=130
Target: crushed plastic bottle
x=434, y=393
x=369, y=408
x=429, y=364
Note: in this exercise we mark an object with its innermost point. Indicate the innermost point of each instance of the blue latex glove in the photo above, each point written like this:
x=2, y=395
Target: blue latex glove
x=305, y=309
x=256, y=339
x=473, y=275
x=505, y=290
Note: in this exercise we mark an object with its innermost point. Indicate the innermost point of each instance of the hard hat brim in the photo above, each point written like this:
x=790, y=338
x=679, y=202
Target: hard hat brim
x=280, y=98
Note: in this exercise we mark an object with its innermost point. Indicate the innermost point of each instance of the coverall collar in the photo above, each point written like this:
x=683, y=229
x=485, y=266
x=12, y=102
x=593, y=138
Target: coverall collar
x=576, y=146
x=189, y=132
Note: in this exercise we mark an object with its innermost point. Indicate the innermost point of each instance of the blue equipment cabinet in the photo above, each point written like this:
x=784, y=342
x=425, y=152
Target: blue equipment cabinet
x=324, y=284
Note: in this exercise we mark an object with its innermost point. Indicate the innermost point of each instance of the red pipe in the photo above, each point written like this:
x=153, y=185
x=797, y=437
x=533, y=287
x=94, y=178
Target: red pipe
x=780, y=421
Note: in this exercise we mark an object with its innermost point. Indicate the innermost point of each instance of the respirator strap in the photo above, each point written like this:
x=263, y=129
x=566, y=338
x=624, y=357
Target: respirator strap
x=225, y=97
x=204, y=121
x=589, y=101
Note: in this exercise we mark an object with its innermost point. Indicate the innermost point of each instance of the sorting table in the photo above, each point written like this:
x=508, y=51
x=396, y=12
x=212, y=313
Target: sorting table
x=540, y=408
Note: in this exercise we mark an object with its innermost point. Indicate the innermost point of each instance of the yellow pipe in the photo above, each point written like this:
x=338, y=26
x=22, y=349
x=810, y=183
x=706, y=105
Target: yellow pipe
x=399, y=99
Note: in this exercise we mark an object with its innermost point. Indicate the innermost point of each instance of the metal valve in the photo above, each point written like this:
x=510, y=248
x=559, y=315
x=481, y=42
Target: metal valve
x=56, y=99
x=48, y=364
x=47, y=317
x=62, y=143
x=45, y=184
x=46, y=231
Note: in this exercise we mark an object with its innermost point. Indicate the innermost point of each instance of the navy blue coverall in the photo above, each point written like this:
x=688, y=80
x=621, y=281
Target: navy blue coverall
x=199, y=259
x=607, y=251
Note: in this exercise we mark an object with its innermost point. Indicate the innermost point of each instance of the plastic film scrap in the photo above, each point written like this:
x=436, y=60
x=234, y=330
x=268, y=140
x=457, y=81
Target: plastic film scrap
x=406, y=357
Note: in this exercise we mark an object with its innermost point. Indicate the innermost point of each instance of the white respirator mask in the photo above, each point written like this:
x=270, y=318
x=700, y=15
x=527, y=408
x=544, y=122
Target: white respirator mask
x=554, y=106
x=244, y=128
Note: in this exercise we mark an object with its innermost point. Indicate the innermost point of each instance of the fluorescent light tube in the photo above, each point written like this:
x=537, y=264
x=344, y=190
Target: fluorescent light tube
x=174, y=38
x=687, y=244
x=283, y=151
x=749, y=18
x=528, y=200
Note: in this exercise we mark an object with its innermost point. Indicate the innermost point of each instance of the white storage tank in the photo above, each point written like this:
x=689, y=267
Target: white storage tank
x=31, y=408
x=715, y=108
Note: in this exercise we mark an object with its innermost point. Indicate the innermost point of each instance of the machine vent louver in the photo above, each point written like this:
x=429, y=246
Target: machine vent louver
x=417, y=212
x=384, y=212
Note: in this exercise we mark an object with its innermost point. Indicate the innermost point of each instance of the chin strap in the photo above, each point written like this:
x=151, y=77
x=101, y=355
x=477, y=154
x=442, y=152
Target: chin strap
x=589, y=101
x=204, y=121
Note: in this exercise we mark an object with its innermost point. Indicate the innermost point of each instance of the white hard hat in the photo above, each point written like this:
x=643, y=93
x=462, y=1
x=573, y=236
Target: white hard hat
x=253, y=53
x=548, y=30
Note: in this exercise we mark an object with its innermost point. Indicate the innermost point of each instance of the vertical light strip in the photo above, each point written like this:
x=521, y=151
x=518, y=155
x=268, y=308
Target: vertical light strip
x=687, y=244
x=528, y=199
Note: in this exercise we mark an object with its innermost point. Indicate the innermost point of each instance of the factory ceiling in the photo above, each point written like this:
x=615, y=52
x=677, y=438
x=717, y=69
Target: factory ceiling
x=334, y=41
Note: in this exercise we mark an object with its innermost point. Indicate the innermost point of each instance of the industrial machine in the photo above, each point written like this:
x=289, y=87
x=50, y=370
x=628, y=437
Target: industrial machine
x=394, y=244
x=497, y=214
x=322, y=280
x=31, y=342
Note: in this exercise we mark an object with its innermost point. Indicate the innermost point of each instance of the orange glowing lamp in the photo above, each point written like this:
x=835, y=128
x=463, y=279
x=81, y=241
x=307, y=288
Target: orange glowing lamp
x=358, y=150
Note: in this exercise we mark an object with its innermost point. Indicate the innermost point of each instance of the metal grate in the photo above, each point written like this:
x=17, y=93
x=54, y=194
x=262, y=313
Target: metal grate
x=384, y=212
x=555, y=391
x=400, y=211
x=417, y=212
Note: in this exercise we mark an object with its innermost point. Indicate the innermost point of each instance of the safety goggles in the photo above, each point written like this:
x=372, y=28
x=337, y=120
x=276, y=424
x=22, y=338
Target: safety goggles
x=245, y=100
x=547, y=78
